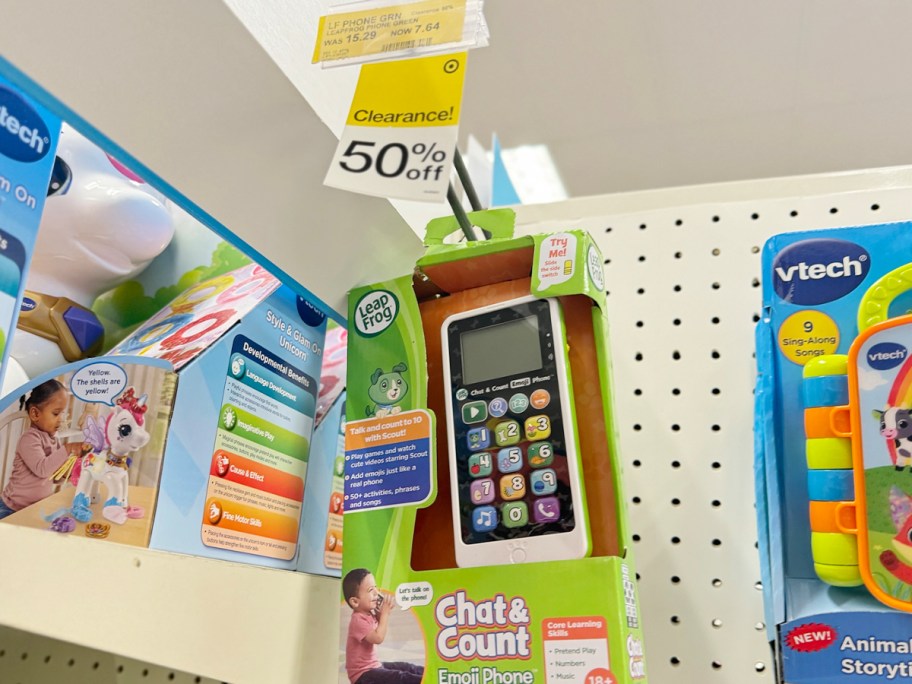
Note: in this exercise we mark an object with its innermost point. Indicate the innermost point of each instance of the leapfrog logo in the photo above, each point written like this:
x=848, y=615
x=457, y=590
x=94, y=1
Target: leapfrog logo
x=375, y=312
x=24, y=136
x=820, y=270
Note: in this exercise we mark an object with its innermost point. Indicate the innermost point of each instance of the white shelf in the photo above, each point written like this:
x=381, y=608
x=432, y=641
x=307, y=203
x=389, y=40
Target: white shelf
x=230, y=622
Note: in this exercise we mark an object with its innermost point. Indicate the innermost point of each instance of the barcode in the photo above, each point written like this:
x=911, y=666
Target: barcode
x=406, y=45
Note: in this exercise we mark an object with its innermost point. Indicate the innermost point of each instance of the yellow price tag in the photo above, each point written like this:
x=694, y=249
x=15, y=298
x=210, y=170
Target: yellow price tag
x=410, y=26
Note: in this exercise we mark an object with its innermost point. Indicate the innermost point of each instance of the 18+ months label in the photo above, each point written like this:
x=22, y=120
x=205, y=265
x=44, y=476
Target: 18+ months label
x=388, y=461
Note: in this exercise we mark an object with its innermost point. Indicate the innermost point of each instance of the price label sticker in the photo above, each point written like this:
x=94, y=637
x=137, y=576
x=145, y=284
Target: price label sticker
x=390, y=30
x=401, y=130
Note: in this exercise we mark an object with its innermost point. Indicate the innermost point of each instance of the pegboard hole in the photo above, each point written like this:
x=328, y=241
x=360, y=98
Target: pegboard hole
x=675, y=427
x=717, y=542
x=639, y=356
x=716, y=285
x=715, y=354
x=755, y=318
x=47, y=659
x=716, y=465
x=637, y=427
x=716, y=665
x=760, y=667
x=755, y=216
x=675, y=579
x=679, y=222
x=607, y=261
x=793, y=213
x=637, y=392
x=639, y=324
x=716, y=320
x=676, y=321
x=716, y=390
x=715, y=219
x=716, y=428
x=675, y=620
x=675, y=464
x=642, y=226
x=25, y=656
x=145, y=673
x=755, y=249
x=120, y=669
x=758, y=585
x=755, y=282
x=678, y=255
x=677, y=288
x=171, y=676
x=70, y=662
x=717, y=583
x=636, y=500
x=716, y=251
x=96, y=665
x=716, y=503
x=641, y=290
x=675, y=661
x=608, y=229
x=636, y=537
x=834, y=210
x=675, y=540
x=675, y=502
x=637, y=463
x=641, y=258
x=875, y=207
x=676, y=391
x=676, y=355
x=760, y=626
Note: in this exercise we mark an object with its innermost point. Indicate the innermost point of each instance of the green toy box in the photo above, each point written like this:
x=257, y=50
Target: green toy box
x=486, y=373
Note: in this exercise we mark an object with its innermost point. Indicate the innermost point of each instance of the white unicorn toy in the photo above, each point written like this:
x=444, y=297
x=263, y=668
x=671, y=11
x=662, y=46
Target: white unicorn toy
x=101, y=225
x=108, y=462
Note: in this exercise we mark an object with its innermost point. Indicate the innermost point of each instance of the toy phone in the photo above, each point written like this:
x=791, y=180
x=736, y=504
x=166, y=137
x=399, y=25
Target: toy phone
x=517, y=495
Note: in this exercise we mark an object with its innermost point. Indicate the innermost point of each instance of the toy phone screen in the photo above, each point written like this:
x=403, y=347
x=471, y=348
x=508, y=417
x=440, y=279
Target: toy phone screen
x=508, y=424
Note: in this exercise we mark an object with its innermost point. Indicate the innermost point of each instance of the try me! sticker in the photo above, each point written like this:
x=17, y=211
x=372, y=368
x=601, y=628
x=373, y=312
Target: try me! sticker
x=814, y=636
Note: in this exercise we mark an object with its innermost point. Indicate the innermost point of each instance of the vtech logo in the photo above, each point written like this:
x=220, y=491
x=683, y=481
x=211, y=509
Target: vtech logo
x=819, y=270
x=886, y=355
x=24, y=136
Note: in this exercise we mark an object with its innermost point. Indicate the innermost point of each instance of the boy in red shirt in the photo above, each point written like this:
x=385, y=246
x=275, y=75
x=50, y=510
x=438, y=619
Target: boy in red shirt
x=367, y=628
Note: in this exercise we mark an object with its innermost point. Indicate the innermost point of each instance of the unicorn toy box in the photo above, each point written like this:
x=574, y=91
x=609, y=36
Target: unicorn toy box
x=833, y=438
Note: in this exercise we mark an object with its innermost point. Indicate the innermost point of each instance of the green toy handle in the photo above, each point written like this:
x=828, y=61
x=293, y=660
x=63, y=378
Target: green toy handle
x=875, y=304
x=498, y=222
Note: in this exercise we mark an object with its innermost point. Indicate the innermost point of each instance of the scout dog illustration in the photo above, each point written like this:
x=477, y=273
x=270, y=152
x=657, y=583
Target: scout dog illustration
x=386, y=391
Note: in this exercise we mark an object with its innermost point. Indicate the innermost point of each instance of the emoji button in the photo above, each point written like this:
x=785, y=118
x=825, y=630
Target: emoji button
x=482, y=491
x=540, y=399
x=509, y=460
x=543, y=482
x=478, y=438
x=507, y=433
x=480, y=465
x=541, y=454
x=512, y=487
x=484, y=519
x=515, y=514
x=546, y=510
x=538, y=427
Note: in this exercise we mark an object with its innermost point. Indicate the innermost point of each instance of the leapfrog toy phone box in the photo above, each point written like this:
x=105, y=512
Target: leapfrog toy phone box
x=834, y=489
x=478, y=426
x=248, y=353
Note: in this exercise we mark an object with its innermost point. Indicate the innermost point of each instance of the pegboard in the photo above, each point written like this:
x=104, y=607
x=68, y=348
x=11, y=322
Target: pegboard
x=684, y=293
x=31, y=659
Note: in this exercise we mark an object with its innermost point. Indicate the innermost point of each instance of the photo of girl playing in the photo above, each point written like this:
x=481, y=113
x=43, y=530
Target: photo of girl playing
x=39, y=454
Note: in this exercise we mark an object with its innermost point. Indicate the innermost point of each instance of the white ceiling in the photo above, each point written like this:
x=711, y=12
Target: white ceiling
x=632, y=95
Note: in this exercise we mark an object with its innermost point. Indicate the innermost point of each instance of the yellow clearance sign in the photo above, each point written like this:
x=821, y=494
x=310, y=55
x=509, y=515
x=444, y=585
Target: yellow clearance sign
x=401, y=130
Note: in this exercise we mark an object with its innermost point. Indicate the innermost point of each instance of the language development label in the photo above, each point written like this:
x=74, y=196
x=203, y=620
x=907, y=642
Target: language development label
x=401, y=131
x=256, y=478
x=388, y=461
x=576, y=650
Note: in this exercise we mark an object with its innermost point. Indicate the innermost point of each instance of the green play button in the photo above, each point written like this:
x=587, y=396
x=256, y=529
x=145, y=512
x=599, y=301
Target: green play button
x=474, y=412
